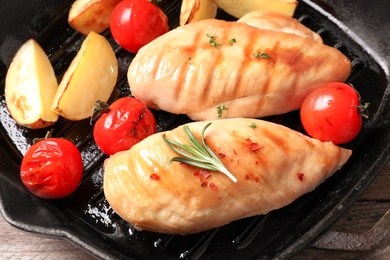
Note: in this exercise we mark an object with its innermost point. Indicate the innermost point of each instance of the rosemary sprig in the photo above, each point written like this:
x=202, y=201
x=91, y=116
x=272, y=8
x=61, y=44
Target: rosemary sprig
x=198, y=153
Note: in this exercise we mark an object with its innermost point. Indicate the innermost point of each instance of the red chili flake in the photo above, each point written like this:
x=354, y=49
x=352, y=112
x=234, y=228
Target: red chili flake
x=213, y=186
x=234, y=151
x=202, y=175
x=256, y=179
x=154, y=177
x=253, y=146
x=200, y=178
x=205, y=173
x=300, y=176
x=247, y=177
x=204, y=184
x=222, y=155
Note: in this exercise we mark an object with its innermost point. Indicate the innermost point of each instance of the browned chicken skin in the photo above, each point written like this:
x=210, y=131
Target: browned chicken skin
x=274, y=165
x=253, y=72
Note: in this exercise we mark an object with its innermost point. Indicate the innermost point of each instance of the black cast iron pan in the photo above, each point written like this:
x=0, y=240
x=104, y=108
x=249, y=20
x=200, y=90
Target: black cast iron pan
x=359, y=29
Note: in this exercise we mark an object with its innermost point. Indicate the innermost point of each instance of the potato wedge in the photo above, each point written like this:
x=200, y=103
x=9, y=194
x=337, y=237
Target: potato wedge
x=87, y=16
x=239, y=8
x=30, y=86
x=90, y=77
x=195, y=10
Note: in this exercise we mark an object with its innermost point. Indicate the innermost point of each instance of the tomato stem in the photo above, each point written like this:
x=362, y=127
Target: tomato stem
x=99, y=108
x=362, y=108
x=48, y=135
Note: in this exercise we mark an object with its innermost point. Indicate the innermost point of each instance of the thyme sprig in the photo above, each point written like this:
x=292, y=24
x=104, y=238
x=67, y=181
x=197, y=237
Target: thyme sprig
x=197, y=154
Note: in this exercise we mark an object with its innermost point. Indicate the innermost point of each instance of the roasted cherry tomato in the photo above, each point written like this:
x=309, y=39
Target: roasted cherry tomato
x=52, y=168
x=333, y=113
x=135, y=23
x=127, y=122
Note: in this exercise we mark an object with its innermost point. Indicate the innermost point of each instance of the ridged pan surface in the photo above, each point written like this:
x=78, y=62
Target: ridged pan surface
x=85, y=217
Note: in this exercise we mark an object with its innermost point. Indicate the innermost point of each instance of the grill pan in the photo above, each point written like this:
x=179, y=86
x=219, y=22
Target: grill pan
x=358, y=28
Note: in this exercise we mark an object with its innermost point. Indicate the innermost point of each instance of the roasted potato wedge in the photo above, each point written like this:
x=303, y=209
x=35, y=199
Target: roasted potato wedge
x=90, y=77
x=194, y=10
x=30, y=86
x=87, y=16
x=239, y=8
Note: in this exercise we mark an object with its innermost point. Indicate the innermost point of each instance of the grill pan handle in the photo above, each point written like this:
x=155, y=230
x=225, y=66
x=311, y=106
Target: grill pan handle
x=377, y=237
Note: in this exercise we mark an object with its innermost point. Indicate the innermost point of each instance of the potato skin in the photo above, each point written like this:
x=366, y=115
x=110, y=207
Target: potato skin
x=87, y=16
x=30, y=85
x=239, y=8
x=87, y=79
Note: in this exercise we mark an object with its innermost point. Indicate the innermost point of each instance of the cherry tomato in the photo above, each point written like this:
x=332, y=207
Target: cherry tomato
x=127, y=122
x=135, y=23
x=332, y=113
x=52, y=168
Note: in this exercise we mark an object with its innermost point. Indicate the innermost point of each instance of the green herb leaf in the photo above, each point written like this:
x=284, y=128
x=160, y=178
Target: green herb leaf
x=231, y=41
x=220, y=109
x=262, y=55
x=212, y=40
x=197, y=154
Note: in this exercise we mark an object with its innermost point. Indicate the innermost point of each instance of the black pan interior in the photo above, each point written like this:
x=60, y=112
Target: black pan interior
x=85, y=218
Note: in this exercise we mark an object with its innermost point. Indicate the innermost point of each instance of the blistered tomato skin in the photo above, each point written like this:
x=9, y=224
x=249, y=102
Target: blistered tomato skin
x=127, y=122
x=331, y=113
x=52, y=168
x=135, y=23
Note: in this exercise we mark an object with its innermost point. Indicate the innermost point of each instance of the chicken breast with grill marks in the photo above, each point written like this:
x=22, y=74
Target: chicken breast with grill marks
x=277, y=21
x=252, y=72
x=273, y=165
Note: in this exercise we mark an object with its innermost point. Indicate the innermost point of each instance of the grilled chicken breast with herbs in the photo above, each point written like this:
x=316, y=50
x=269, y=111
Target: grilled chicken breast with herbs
x=273, y=165
x=203, y=66
x=277, y=21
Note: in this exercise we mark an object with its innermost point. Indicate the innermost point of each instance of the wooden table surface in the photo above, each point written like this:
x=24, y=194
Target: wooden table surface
x=361, y=217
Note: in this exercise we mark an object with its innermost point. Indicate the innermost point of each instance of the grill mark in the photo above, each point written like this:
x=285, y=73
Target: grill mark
x=189, y=52
x=278, y=139
x=200, y=44
x=282, y=56
x=218, y=61
x=159, y=56
x=249, y=51
x=219, y=93
x=182, y=71
x=211, y=76
x=239, y=86
x=281, y=141
x=226, y=94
